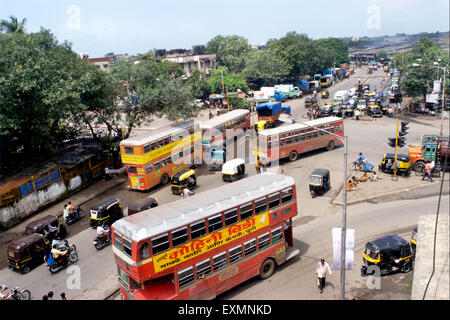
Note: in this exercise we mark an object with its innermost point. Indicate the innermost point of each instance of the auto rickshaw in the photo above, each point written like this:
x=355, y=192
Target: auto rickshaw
x=374, y=111
x=41, y=226
x=336, y=110
x=310, y=101
x=390, y=253
x=233, y=170
x=183, y=179
x=326, y=111
x=384, y=107
x=325, y=94
x=403, y=164
x=142, y=205
x=319, y=182
x=106, y=212
x=349, y=111
x=413, y=242
x=27, y=253
x=218, y=157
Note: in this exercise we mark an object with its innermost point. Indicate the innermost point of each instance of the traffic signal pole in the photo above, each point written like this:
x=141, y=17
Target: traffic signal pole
x=396, y=147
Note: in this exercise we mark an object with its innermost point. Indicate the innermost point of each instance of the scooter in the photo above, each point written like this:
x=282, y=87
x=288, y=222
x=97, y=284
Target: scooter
x=102, y=240
x=71, y=256
x=72, y=218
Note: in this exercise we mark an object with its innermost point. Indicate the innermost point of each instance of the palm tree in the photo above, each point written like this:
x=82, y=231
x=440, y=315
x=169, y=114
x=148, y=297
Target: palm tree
x=13, y=25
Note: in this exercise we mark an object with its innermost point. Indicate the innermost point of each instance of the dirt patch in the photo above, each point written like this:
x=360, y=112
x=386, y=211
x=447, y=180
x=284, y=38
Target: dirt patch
x=396, y=286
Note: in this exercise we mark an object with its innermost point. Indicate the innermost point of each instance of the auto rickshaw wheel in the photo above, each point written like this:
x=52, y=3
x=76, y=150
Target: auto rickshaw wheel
x=407, y=267
x=267, y=269
x=293, y=156
x=164, y=179
x=25, y=269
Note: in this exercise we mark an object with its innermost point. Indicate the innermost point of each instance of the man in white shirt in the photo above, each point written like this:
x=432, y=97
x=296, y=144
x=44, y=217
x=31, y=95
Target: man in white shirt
x=322, y=269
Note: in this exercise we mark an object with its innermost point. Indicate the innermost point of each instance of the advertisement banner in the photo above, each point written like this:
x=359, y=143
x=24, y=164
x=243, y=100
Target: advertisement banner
x=437, y=86
x=349, y=247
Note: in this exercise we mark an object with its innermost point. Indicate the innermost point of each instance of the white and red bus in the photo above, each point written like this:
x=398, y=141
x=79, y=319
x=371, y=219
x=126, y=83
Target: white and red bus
x=291, y=140
x=215, y=128
x=201, y=246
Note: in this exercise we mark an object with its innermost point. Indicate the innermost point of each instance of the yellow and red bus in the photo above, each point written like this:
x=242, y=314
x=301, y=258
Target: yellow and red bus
x=216, y=128
x=291, y=140
x=153, y=157
x=201, y=246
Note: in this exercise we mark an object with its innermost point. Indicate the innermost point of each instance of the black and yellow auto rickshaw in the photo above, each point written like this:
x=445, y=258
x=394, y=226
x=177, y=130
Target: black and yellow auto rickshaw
x=106, y=212
x=326, y=111
x=325, y=94
x=319, y=182
x=183, y=179
x=413, y=242
x=27, y=253
x=390, y=253
x=44, y=225
x=403, y=164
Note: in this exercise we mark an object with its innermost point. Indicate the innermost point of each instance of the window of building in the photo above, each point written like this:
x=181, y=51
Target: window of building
x=179, y=237
x=260, y=205
x=203, y=268
x=250, y=247
x=274, y=200
x=263, y=241
x=246, y=211
x=235, y=254
x=198, y=230
x=186, y=277
x=160, y=244
x=129, y=150
x=231, y=217
x=277, y=235
x=220, y=261
x=215, y=223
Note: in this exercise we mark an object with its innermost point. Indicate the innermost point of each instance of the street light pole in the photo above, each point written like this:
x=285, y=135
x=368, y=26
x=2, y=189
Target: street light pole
x=443, y=104
x=344, y=223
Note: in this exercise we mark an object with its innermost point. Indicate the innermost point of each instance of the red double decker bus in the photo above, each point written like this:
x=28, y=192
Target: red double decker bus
x=291, y=140
x=201, y=246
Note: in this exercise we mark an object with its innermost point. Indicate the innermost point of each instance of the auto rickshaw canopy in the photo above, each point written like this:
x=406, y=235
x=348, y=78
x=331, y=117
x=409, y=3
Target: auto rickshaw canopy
x=231, y=167
x=390, y=245
x=22, y=244
x=400, y=157
x=317, y=175
x=38, y=225
x=182, y=175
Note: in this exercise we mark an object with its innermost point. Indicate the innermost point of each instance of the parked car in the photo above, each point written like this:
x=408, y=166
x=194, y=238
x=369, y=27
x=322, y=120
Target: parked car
x=142, y=205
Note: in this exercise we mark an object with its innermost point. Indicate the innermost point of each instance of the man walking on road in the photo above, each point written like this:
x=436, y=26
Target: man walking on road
x=427, y=172
x=322, y=269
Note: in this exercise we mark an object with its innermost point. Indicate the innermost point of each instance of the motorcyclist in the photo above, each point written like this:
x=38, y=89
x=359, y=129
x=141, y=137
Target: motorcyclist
x=60, y=244
x=56, y=252
x=102, y=230
x=73, y=209
x=66, y=212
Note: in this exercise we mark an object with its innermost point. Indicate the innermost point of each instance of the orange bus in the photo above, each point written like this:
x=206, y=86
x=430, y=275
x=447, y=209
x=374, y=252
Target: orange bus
x=291, y=140
x=201, y=246
x=153, y=157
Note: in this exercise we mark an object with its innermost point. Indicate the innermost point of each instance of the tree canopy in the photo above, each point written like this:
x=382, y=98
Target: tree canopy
x=13, y=25
x=338, y=49
x=233, y=81
x=230, y=51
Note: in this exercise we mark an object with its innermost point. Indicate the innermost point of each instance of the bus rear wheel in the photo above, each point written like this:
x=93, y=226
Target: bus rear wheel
x=330, y=145
x=267, y=269
x=293, y=156
x=165, y=179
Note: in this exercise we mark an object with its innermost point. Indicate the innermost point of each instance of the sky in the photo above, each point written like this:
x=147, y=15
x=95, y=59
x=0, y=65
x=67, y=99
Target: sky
x=97, y=27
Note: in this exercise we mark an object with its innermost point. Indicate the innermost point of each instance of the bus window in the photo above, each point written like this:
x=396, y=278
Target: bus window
x=129, y=150
x=260, y=205
x=249, y=247
x=160, y=143
x=132, y=169
x=263, y=240
x=144, y=251
x=186, y=276
x=148, y=168
x=179, y=237
x=286, y=195
x=169, y=160
x=180, y=154
x=166, y=140
x=296, y=137
x=308, y=135
x=215, y=223
x=332, y=128
x=246, y=211
x=277, y=235
x=203, y=268
x=160, y=244
x=341, y=128
x=235, y=254
x=289, y=139
x=147, y=148
x=315, y=134
x=127, y=247
x=274, y=200
x=220, y=261
x=118, y=241
x=198, y=230
x=174, y=138
x=302, y=137
x=282, y=141
x=163, y=163
x=231, y=217
x=153, y=145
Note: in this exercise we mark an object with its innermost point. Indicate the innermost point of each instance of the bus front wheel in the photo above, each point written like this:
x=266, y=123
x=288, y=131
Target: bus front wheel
x=267, y=269
x=165, y=179
x=293, y=156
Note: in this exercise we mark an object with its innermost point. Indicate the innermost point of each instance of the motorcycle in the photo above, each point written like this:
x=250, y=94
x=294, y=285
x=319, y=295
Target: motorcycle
x=69, y=257
x=74, y=217
x=102, y=240
x=14, y=294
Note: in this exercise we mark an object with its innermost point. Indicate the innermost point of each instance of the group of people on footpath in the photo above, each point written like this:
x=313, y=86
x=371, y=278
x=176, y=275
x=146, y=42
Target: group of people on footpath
x=50, y=294
x=366, y=167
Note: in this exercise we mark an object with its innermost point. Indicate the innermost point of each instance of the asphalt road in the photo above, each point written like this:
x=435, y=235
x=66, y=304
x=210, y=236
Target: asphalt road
x=369, y=137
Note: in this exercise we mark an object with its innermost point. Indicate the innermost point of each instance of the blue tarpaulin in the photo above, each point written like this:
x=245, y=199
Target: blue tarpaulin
x=269, y=109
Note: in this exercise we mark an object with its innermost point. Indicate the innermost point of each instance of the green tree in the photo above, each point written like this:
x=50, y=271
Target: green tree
x=233, y=81
x=13, y=25
x=264, y=68
x=148, y=88
x=230, y=51
x=198, y=85
x=382, y=54
x=338, y=49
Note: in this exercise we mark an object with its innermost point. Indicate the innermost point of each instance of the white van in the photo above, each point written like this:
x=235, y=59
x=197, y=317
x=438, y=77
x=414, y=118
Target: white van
x=341, y=95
